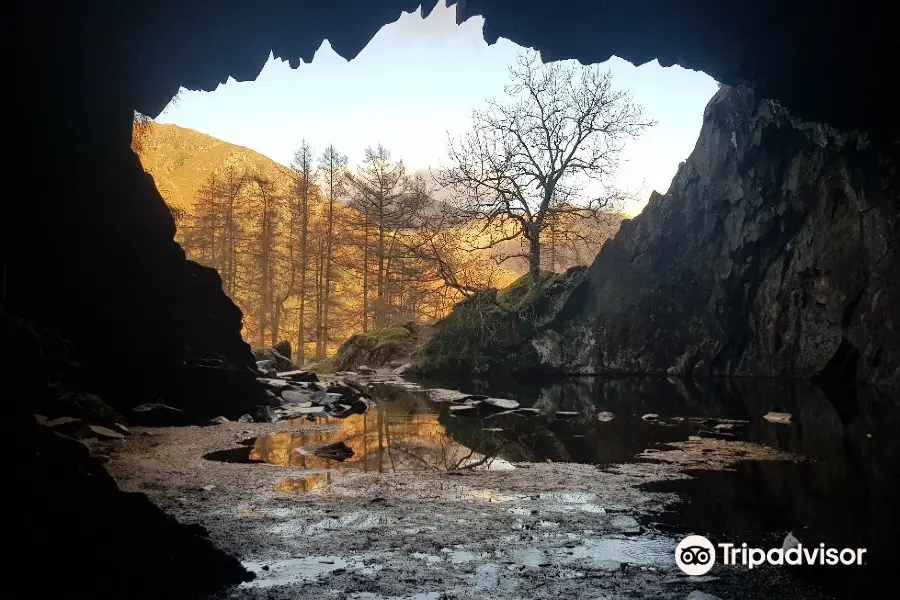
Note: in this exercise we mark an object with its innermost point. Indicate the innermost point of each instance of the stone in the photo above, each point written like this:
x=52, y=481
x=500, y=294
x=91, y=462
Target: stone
x=65, y=424
x=157, y=414
x=625, y=524
x=295, y=396
x=292, y=412
x=725, y=427
x=100, y=432
x=218, y=420
x=651, y=417
x=364, y=369
x=266, y=368
x=121, y=428
x=695, y=438
x=41, y=419
x=273, y=399
x=265, y=414
x=790, y=541
x=273, y=383
x=527, y=410
x=565, y=414
x=245, y=419
x=279, y=361
x=298, y=375
x=458, y=409
x=443, y=395
x=208, y=488
x=778, y=417
x=605, y=416
x=284, y=348
x=500, y=403
x=402, y=369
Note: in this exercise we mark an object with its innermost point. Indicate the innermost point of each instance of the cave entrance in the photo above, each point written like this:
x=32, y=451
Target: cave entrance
x=273, y=182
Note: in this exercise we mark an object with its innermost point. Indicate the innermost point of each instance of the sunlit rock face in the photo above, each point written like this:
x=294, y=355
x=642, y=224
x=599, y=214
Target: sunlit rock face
x=773, y=253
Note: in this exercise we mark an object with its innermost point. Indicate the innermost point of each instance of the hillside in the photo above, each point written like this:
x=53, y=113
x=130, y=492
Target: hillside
x=181, y=161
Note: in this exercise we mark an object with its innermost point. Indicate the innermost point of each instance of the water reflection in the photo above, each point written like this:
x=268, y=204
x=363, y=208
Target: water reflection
x=391, y=438
x=306, y=483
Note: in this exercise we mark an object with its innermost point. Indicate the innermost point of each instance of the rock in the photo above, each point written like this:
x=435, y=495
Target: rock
x=121, y=428
x=99, y=432
x=790, y=541
x=208, y=488
x=402, y=369
x=442, y=395
x=245, y=419
x=803, y=258
x=458, y=409
x=218, y=420
x=527, y=410
x=274, y=383
x=265, y=414
x=778, y=417
x=605, y=416
x=266, y=368
x=343, y=389
x=298, y=375
x=651, y=417
x=273, y=399
x=279, y=361
x=695, y=438
x=698, y=595
x=364, y=369
x=65, y=424
x=626, y=525
x=565, y=414
x=717, y=435
x=377, y=347
x=40, y=419
x=500, y=403
x=305, y=411
x=333, y=450
x=283, y=348
x=297, y=396
x=725, y=427
x=157, y=414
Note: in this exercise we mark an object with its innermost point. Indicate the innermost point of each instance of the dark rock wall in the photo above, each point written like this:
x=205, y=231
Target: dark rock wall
x=774, y=253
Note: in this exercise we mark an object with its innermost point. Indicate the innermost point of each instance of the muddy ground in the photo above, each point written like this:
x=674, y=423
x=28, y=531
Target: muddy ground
x=533, y=531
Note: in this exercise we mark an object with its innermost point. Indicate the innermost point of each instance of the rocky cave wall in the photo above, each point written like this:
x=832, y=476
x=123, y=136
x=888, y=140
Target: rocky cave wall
x=88, y=257
x=774, y=253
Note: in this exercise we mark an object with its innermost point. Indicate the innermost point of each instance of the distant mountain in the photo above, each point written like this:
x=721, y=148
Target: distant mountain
x=181, y=161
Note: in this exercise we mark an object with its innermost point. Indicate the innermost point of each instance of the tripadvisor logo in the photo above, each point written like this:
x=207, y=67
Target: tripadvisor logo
x=696, y=555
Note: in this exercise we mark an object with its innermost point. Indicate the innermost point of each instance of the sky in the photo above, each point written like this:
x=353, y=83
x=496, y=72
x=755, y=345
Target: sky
x=415, y=82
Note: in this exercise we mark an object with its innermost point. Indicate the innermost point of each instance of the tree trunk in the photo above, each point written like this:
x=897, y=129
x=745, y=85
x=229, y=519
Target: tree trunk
x=365, y=298
x=534, y=256
x=328, y=258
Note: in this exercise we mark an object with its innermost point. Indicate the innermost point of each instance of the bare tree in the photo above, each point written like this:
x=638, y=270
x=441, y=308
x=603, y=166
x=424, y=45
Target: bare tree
x=525, y=160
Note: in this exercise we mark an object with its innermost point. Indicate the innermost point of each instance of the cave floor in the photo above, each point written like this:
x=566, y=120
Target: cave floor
x=533, y=531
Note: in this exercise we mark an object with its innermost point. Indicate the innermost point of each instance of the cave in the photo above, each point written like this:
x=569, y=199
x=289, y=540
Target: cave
x=95, y=289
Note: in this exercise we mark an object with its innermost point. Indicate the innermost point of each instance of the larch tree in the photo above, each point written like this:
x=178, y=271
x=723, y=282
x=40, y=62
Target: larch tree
x=304, y=174
x=525, y=160
x=333, y=176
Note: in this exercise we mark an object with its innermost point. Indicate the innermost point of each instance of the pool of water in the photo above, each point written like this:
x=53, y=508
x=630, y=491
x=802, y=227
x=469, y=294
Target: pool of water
x=844, y=494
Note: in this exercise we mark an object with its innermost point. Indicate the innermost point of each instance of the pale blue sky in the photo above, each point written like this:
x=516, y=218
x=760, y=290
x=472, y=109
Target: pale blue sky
x=416, y=80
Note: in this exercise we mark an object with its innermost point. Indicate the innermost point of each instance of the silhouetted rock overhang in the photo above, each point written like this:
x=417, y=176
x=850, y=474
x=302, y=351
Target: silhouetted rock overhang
x=828, y=61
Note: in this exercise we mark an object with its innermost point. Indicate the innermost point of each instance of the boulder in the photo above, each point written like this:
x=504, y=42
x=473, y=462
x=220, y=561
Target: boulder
x=778, y=417
x=295, y=396
x=245, y=419
x=273, y=383
x=96, y=431
x=273, y=399
x=605, y=416
x=265, y=414
x=157, y=414
x=284, y=348
x=298, y=375
x=279, y=361
x=218, y=420
x=402, y=369
x=266, y=368
x=499, y=403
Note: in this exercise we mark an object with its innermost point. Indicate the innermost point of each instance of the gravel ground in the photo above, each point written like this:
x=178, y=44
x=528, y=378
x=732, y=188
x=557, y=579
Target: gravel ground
x=534, y=531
